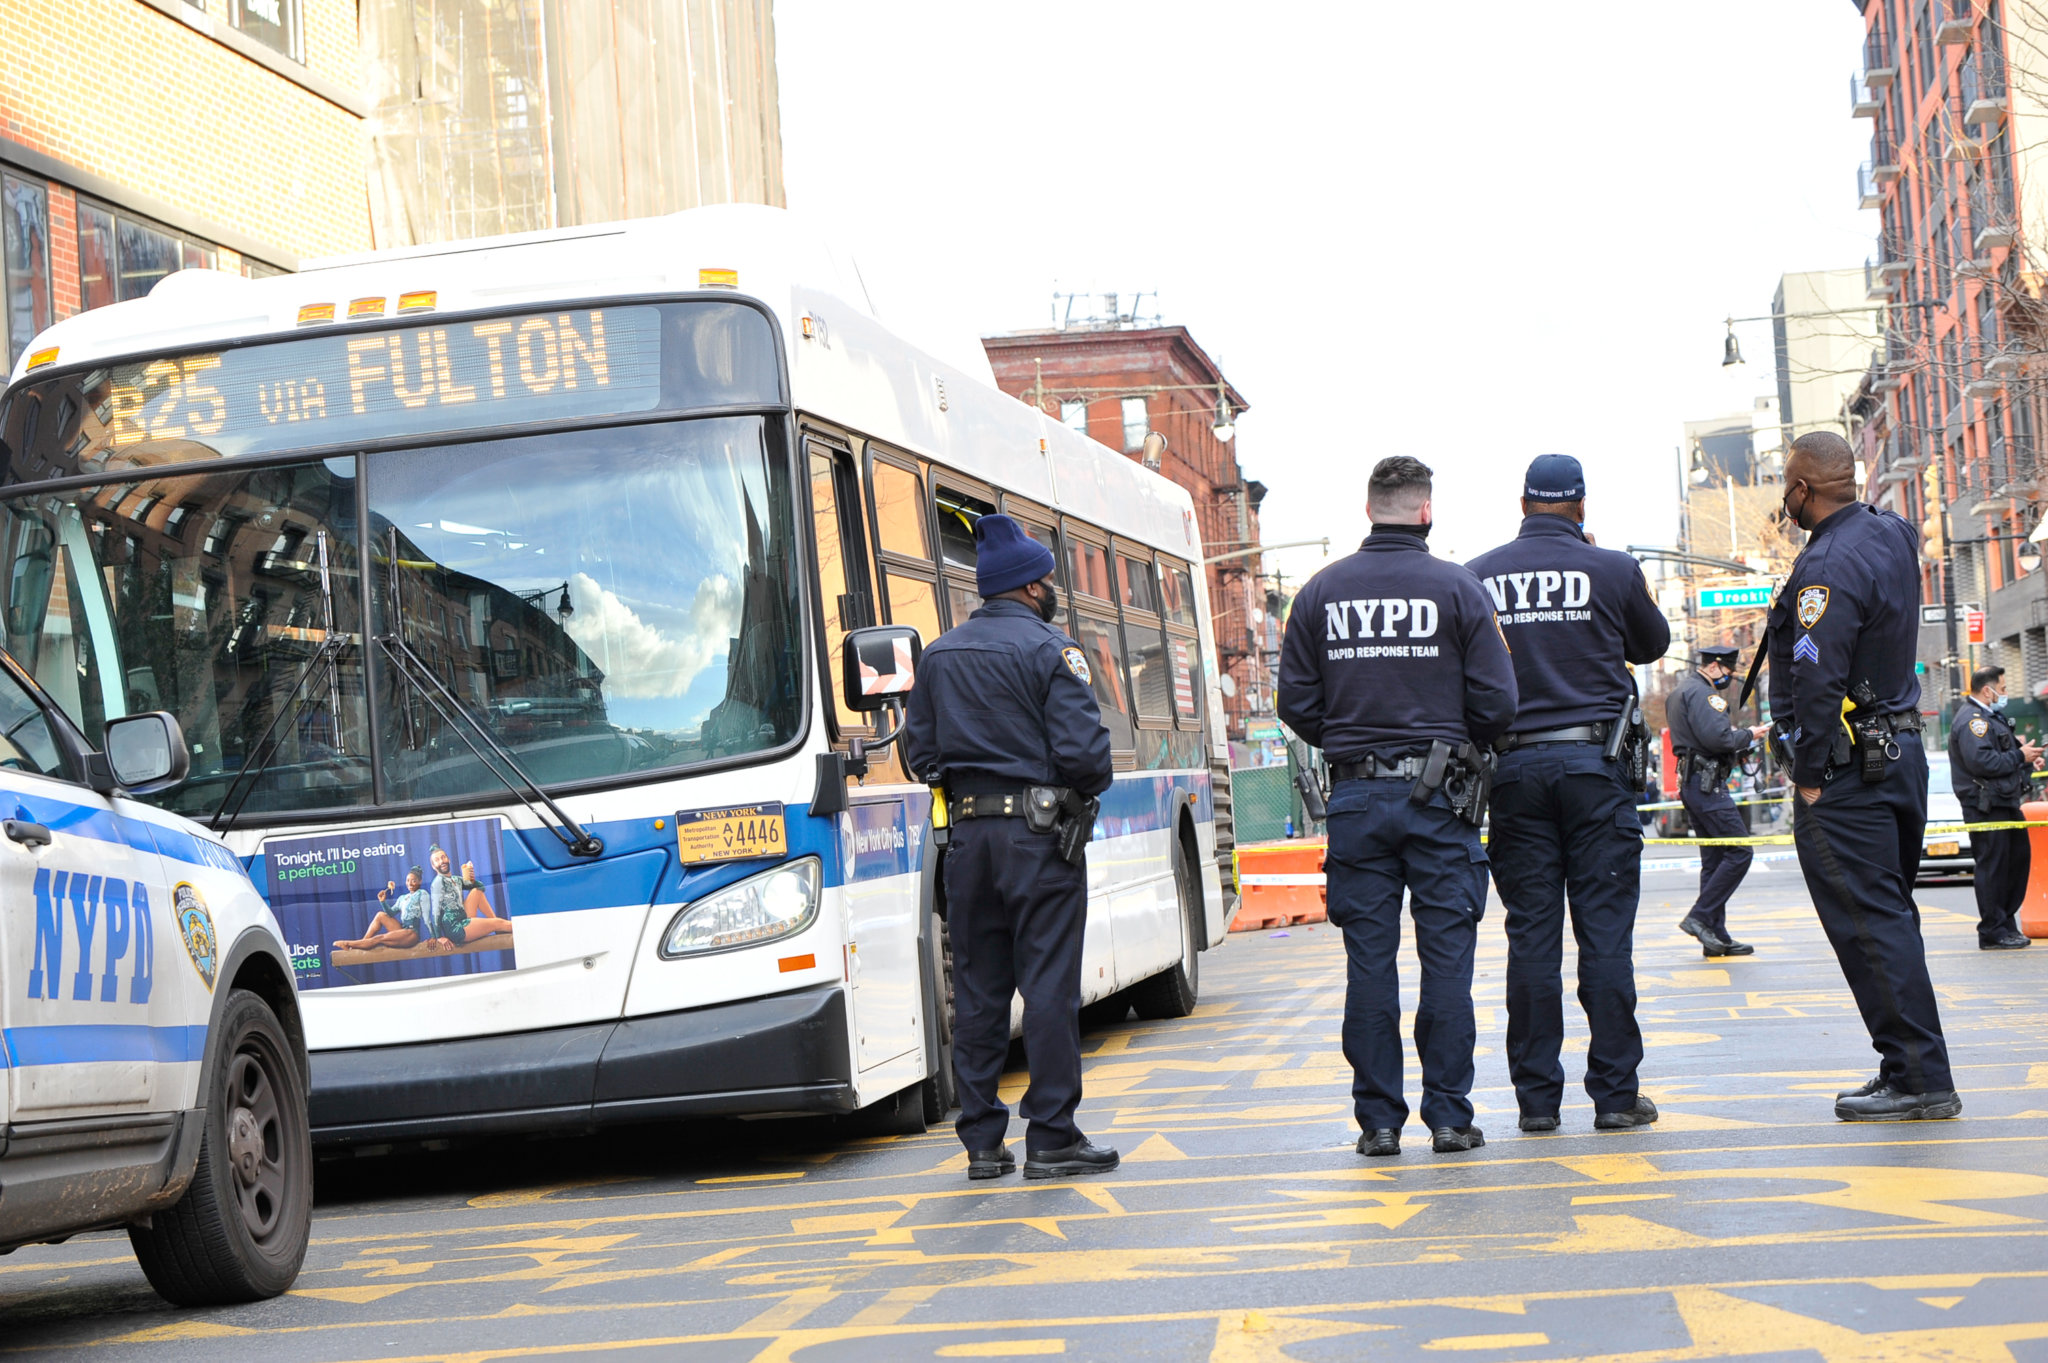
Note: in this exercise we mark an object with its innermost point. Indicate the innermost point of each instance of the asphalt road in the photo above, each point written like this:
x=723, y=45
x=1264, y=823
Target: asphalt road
x=1242, y=1227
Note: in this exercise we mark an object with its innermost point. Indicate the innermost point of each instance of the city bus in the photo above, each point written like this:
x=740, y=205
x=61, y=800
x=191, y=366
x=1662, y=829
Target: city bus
x=502, y=592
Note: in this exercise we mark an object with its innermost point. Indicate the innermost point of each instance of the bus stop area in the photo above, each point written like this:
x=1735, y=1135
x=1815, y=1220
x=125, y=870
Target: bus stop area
x=1242, y=1226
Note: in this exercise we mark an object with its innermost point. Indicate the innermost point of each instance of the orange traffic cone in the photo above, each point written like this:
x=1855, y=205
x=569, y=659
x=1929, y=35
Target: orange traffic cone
x=2034, y=908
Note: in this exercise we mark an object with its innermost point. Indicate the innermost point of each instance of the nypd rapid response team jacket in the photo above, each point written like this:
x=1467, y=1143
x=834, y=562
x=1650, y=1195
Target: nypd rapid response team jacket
x=1573, y=613
x=1389, y=648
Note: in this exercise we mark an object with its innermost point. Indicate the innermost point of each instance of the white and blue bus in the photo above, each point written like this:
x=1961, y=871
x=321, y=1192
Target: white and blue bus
x=500, y=590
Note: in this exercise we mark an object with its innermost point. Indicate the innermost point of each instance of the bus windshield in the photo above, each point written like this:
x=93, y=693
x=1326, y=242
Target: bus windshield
x=333, y=631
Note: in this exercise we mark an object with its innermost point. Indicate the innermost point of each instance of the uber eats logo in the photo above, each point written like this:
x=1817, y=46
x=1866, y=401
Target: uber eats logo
x=103, y=911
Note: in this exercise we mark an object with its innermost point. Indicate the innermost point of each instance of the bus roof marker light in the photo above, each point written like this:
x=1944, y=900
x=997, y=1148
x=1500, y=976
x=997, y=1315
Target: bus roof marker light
x=418, y=300
x=38, y=359
x=718, y=279
x=313, y=314
x=365, y=307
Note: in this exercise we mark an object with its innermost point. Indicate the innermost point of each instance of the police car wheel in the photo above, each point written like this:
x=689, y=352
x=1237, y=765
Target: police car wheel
x=1173, y=994
x=239, y=1233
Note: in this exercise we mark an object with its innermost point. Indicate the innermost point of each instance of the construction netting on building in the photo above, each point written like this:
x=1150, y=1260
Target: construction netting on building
x=492, y=116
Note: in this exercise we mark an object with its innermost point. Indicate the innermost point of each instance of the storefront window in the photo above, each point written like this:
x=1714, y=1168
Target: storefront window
x=25, y=209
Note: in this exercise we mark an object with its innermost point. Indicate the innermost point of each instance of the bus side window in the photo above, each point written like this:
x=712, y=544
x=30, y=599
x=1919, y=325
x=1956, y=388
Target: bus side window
x=1092, y=620
x=844, y=600
x=958, y=513
x=899, y=510
x=1183, y=644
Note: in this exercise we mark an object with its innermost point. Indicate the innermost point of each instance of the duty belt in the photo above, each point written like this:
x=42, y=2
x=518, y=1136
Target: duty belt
x=1008, y=805
x=1577, y=733
x=1372, y=768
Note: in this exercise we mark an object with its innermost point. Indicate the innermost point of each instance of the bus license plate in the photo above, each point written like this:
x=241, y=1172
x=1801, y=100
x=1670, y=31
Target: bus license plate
x=1943, y=849
x=731, y=834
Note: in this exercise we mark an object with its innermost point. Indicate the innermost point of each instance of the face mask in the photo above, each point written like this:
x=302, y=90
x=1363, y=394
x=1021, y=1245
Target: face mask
x=1798, y=517
x=1721, y=682
x=1998, y=702
x=1049, y=604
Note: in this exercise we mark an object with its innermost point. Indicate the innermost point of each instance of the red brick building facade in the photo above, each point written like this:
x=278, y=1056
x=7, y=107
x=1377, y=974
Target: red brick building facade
x=138, y=137
x=1117, y=385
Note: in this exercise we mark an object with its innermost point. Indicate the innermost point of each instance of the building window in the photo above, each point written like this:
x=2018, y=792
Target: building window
x=1137, y=424
x=25, y=252
x=1074, y=416
x=120, y=257
x=274, y=23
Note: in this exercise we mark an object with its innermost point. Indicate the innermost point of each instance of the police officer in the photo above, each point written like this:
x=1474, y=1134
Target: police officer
x=1388, y=652
x=1706, y=743
x=1988, y=765
x=1004, y=703
x=1843, y=630
x=1564, y=818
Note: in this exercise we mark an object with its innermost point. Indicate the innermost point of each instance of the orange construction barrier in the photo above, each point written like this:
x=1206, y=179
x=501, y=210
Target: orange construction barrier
x=1280, y=883
x=2034, y=908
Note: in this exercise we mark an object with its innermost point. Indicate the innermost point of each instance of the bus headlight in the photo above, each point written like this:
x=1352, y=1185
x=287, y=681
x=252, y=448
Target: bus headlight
x=759, y=909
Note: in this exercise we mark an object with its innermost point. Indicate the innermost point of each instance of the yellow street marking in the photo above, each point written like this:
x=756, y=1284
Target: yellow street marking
x=833, y=1225
x=566, y=1243
x=1258, y=1338
x=1939, y=1303
x=1621, y=1235
x=1100, y=1196
x=1620, y=1197
x=184, y=1329
x=1004, y=1348
x=788, y=1311
x=1529, y=1340
x=1154, y=1147
x=356, y=1295
x=523, y=1197
x=753, y=1178
x=1614, y=1168
x=896, y=1304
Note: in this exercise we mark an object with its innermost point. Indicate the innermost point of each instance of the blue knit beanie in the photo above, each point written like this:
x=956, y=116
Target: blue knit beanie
x=1007, y=558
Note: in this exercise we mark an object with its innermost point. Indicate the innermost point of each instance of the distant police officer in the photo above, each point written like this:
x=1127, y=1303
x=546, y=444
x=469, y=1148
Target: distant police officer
x=1003, y=710
x=1564, y=818
x=1847, y=704
x=1393, y=665
x=1988, y=765
x=1707, y=743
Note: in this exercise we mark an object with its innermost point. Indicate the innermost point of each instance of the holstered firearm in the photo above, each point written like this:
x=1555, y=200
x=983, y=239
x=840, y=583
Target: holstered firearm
x=1628, y=742
x=1075, y=828
x=1874, y=742
x=1464, y=775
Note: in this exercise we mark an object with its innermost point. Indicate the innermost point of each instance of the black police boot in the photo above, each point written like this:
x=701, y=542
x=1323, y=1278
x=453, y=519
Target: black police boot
x=2009, y=941
x=1886, y=1104
x=1864, y=1089
x=1711, y=942
x=1381, y=1140
x=1447, y=1140
x=1642, y=1114
x=1082, y=1157
x=991, y=1163
x=1730, y=947
x=1539, y=1123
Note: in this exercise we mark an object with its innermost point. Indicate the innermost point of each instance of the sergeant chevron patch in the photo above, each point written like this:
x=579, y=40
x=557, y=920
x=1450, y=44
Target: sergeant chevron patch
x=1806, y=650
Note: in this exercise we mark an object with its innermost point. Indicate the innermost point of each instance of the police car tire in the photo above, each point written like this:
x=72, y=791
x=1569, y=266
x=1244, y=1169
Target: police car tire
x=1173, y=993
x=202, y=1251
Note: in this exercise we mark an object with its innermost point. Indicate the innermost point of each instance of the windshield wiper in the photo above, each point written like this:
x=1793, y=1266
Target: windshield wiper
x=421, y=678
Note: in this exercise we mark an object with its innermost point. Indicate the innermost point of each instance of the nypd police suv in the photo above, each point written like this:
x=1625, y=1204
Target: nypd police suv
x=153, y=1065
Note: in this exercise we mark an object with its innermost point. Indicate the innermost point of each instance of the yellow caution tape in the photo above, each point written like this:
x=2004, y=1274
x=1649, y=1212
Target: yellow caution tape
x=1778, y=798
x=1785, y=839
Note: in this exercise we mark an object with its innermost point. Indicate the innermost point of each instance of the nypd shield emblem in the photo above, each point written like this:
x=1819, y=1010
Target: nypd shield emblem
x=1077, y=663
x=1813, y=604
x=1979, y=727
x=1717, y=702
x=195, y=927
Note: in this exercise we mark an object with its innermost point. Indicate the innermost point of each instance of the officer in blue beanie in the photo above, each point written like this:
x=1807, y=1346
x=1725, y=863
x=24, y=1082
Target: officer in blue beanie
x=1004, y=710
x=1565, y=830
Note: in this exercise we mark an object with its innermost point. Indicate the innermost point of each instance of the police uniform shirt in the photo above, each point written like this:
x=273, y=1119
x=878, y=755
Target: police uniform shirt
x=1003, y=701
x=1390, y=648
x=1985, y=758
x=1574, y=614
x=1849, y=613
x=1698, y=713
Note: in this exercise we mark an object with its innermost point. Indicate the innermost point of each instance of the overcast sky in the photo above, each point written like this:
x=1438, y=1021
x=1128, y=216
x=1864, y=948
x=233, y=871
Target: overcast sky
x=1470, y=233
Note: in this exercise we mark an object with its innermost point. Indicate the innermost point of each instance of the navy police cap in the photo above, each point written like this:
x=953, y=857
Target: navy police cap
x=1718, y=653
x=1554, y=478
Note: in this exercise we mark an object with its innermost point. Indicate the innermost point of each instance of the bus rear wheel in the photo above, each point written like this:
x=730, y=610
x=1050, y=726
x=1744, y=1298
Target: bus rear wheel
x=1173, y=993
x=939, y=1091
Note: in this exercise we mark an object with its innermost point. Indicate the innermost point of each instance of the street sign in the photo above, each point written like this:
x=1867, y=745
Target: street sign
x=1734, y=598
x=1262, y=730
x=1931, y=615
x=1975, y=621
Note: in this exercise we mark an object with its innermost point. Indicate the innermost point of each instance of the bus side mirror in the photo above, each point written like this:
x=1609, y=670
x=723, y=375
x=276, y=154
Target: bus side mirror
x=146, y=753
x=879, y=666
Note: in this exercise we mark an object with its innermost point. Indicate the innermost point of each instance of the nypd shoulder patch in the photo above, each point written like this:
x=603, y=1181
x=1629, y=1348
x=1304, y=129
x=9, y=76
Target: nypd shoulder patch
x=1717, y=702
x=1806, y=650
x=1077, y=663
x=1979, y=726
x=1813, y=604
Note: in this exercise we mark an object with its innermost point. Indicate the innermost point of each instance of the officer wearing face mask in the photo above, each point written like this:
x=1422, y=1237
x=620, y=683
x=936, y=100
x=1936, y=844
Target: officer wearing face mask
x=1003, y=707
x=1988, y=764
x=1707, y=744
x=1846, y=706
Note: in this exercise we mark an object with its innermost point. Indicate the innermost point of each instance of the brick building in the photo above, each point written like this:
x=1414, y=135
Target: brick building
x=1950, y=407
x=138, y=137
x=1118, y=382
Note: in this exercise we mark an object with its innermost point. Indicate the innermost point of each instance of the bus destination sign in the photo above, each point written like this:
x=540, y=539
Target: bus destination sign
x=357, y=386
